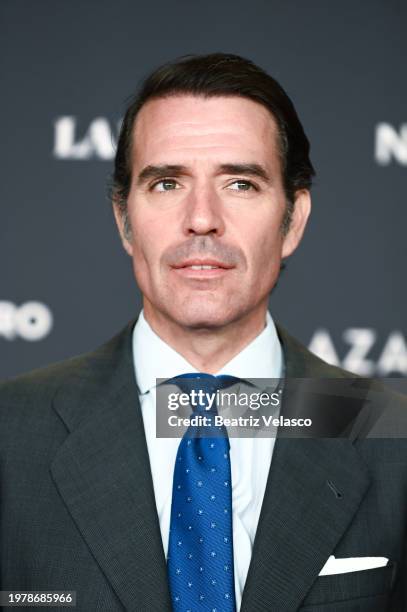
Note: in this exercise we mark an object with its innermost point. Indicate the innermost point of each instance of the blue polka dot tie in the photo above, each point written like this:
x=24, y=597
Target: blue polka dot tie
x=200, y=550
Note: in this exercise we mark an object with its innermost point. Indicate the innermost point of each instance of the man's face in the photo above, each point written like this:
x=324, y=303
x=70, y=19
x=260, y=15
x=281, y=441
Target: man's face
x=205, y=207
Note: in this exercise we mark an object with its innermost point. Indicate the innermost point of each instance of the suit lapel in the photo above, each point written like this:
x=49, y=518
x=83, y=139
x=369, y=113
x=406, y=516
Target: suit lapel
x=103, y=474
x=314, y=488
x=301, y=520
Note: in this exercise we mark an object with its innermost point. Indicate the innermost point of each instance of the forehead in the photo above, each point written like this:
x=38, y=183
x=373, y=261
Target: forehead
x=182, y=128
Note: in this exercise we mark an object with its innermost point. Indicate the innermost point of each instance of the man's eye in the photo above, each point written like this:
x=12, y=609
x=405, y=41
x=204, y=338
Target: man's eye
x=241, y=186
x=165, y=185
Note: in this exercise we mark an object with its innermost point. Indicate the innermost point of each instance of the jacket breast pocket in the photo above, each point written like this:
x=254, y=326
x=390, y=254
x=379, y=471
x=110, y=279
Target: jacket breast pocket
x=352, y=592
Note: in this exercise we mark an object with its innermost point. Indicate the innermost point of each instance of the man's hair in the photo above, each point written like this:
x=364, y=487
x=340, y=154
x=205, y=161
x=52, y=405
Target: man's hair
x=215, y=75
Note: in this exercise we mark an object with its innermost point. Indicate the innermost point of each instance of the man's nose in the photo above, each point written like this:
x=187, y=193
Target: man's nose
x=203, y=212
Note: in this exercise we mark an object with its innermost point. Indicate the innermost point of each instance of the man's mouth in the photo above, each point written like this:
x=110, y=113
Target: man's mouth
x=202, y=268
x=203, y=265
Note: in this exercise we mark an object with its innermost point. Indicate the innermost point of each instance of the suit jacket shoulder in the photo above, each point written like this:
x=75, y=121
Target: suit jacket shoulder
x=300, y=362
x=82, y=374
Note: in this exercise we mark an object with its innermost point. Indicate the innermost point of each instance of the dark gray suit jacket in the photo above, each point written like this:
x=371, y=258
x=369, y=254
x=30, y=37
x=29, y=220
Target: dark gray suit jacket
x=78, y=509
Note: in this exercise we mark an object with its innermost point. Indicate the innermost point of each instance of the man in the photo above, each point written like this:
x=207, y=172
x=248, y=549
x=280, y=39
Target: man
x=211, y=192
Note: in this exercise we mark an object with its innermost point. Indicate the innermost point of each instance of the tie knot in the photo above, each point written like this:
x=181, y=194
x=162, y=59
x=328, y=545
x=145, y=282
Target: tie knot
x=200, y=381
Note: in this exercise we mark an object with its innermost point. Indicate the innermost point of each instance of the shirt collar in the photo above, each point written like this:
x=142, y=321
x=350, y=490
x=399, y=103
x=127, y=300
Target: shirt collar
x=153, y=358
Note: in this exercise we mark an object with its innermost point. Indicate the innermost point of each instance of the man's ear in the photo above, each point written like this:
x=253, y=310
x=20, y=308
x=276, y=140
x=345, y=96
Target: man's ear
x=302, y=209
x=121, y=217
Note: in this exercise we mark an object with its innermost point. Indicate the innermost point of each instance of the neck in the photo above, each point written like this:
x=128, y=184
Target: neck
x=207, y=349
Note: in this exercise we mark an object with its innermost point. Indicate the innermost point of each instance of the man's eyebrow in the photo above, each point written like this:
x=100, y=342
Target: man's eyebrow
x=164, y=170
x=161, y=171
x=246, y=169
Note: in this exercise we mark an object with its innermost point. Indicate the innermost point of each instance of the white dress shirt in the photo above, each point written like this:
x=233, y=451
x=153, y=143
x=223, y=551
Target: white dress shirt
x=250, y=457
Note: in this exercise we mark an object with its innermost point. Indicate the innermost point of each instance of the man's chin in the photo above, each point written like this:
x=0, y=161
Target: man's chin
x=194, y=313
x=205, y=319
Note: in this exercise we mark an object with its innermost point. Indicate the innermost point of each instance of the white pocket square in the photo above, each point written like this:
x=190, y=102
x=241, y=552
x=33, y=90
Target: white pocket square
x=351, y=564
